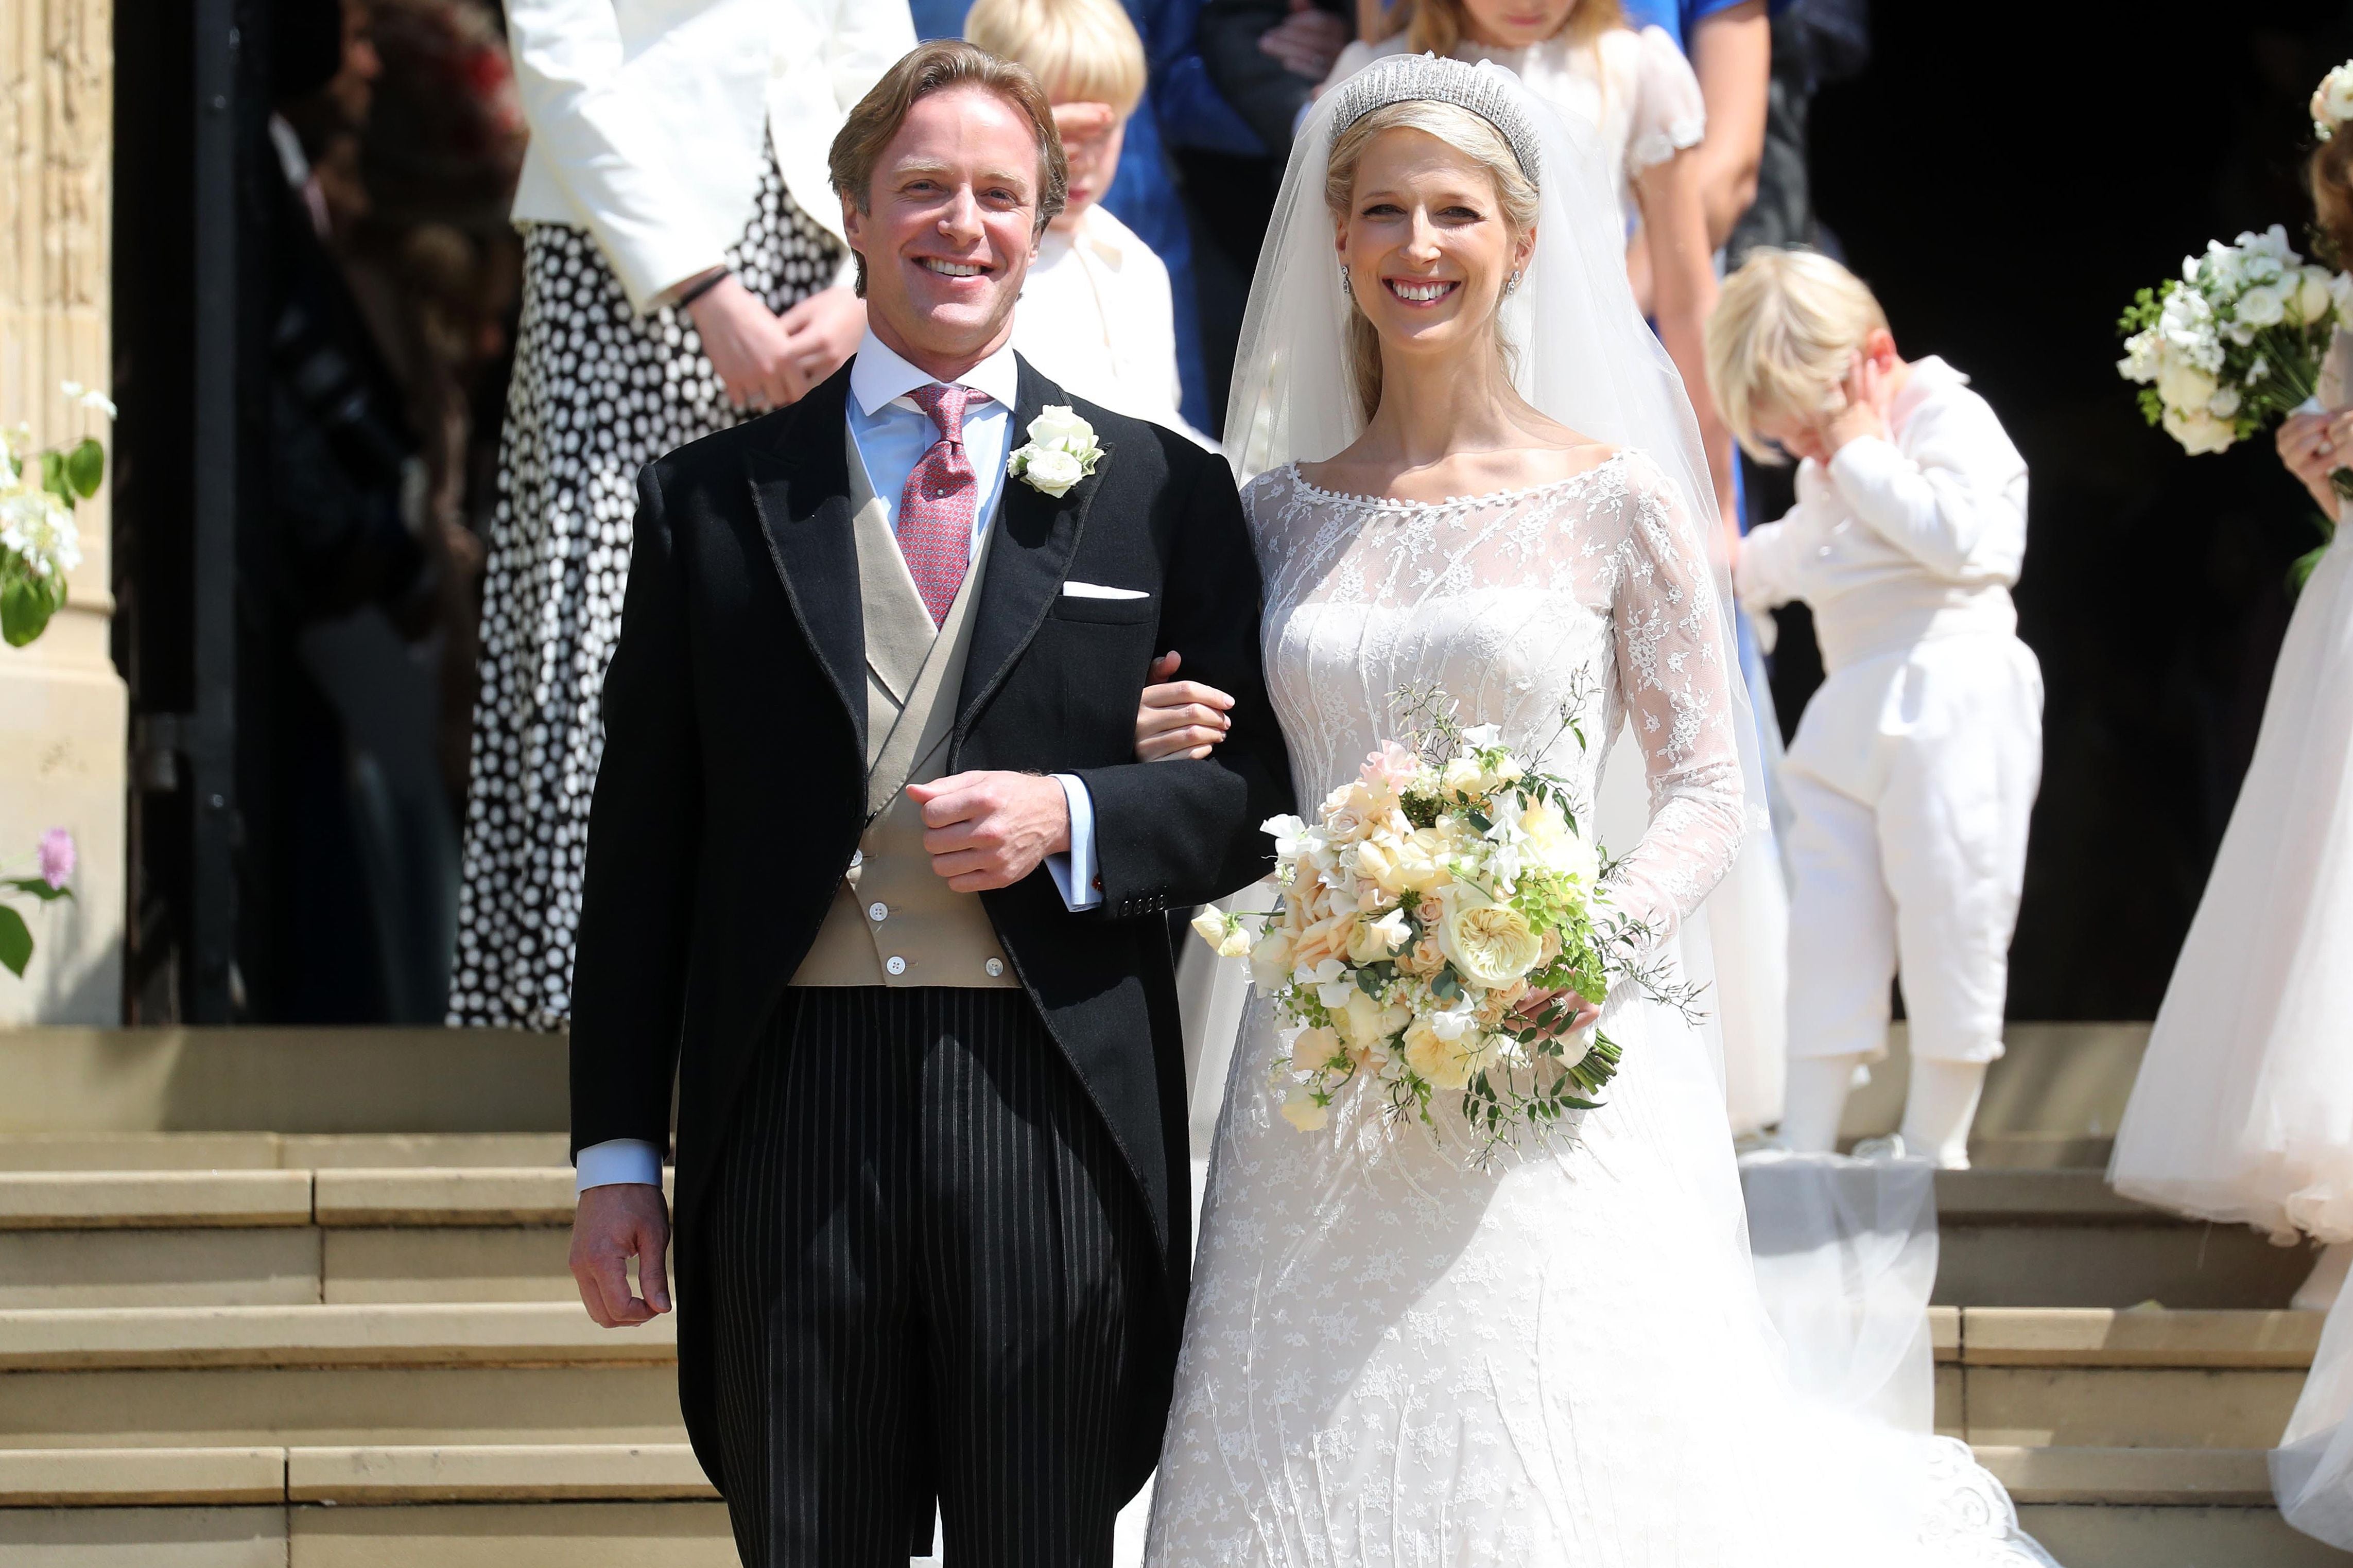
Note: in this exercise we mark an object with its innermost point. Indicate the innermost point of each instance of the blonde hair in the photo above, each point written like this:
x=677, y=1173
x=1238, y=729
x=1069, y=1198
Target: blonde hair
x=1516, y=196
x=1438, y=25
x=1083, y=49
x=932, y=68
x=1784, y=334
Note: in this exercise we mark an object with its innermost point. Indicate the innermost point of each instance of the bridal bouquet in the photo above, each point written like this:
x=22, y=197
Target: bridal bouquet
x=1440, y=919
x=2235, y=342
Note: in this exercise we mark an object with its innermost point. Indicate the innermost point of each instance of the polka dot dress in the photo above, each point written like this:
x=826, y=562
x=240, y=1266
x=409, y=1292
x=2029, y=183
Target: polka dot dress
x=598, y=394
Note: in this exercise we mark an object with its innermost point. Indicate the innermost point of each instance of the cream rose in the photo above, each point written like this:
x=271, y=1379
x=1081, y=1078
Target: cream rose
x=1314, y=1049
x=1460, y=776
x=1434, y=1057
x=1364, y=1022
x=1426, y=959
x=1271, y=959
x=1419, y=861
x=2199, y=432
x=1489, y=945
x=2182, y=384
x=2312, y=296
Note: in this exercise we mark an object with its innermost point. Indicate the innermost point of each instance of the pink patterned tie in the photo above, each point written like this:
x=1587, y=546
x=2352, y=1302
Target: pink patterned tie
x=936, y=510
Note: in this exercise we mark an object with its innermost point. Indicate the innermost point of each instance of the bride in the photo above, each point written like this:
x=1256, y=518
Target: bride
x=1396, y=1354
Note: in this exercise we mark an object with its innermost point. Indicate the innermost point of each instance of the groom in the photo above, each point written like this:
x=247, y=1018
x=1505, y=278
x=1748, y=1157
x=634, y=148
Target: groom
x=871, y=870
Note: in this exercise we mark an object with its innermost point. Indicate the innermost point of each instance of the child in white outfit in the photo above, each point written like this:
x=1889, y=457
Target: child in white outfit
x=1914, y=768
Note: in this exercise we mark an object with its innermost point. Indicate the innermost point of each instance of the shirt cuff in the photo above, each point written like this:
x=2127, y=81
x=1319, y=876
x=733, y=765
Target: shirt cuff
x=1075, y=873
x=617, y=1162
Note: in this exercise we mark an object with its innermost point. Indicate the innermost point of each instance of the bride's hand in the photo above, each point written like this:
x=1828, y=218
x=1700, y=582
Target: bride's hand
x=1573, y=1013
x=1178, y=718
x=2314, y=445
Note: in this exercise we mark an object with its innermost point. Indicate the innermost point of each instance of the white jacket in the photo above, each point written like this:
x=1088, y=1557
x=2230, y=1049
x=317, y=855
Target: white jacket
x=1918, y=536
x=646, y=117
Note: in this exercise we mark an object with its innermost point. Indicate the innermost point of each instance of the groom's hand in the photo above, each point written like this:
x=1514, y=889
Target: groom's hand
x=991, y=830
x=612, y=1225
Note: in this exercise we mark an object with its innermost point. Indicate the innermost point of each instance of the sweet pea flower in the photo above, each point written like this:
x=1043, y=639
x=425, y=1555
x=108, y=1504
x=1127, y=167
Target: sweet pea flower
x=57, y=857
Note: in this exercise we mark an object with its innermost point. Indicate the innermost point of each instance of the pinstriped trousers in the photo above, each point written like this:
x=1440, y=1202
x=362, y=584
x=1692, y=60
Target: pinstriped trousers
x=921, y=1255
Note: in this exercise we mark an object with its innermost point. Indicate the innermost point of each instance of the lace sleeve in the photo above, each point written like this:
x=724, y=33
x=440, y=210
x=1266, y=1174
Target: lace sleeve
x=1674, y=672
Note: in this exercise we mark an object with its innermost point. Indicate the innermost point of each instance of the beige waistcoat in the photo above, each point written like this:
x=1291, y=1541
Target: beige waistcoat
x=894, y=921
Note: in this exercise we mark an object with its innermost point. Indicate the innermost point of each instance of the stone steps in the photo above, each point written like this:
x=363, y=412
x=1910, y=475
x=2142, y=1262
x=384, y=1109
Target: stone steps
x=340, y=1234
x=278, y=1237
x=299, y=1299
x=2098, y=1378
x=2028, y=1238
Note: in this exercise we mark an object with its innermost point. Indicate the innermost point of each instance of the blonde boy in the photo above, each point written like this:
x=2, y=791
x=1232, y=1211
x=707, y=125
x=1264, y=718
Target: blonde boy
x=1096, y=315
x=1914, y=768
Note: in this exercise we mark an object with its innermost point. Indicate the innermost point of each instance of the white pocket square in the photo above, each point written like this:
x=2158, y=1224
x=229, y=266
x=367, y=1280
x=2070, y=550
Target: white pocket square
x=1098, y=591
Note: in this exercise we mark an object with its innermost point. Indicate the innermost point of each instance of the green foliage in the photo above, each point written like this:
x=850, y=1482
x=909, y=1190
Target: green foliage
x=15, y=942
x=85, y=468
x=27, y=601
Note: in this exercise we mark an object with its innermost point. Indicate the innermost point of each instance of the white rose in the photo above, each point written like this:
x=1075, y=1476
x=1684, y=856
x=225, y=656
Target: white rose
x=2224, y=403
x=2262, y=306
x=1489, y=945
x=1057, y=426
x=2182, y=384
x=1460, y=776
x=1050, y=469
x=2199, y=431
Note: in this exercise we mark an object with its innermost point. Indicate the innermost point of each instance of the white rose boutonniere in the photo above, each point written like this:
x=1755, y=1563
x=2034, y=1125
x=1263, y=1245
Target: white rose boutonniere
x=1062, y=451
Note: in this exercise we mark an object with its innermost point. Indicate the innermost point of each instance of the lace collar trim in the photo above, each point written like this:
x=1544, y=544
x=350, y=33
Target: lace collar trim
x=1494, y=498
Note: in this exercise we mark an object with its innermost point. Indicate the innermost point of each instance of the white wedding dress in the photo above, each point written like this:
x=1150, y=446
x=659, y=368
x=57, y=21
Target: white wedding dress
x=1395, y=1356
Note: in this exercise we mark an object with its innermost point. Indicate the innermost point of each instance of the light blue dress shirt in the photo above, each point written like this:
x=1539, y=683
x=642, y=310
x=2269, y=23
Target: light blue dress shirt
x=891, y=434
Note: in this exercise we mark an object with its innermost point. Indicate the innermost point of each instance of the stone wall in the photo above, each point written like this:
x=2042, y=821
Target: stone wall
x=63, y=709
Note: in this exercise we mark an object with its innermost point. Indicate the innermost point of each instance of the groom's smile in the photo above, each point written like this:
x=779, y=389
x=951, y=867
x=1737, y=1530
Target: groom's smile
x=951, y=226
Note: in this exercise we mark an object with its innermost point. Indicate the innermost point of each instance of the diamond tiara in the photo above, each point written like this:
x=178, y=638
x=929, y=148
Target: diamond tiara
x=1408, y=78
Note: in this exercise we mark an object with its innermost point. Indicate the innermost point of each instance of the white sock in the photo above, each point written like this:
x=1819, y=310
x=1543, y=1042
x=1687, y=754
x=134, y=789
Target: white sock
x=1817, y=1099
x=1938, y=1108
x=2320, y=1289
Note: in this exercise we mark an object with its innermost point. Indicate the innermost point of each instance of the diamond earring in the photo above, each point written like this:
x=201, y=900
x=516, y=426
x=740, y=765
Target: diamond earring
x=1346, y=292
x=1512, y=284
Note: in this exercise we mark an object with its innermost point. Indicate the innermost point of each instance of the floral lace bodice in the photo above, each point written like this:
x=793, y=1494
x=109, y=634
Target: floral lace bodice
x=1588, y=591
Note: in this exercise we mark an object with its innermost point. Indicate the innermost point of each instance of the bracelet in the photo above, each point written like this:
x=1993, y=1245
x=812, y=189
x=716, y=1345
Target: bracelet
x=700, y=289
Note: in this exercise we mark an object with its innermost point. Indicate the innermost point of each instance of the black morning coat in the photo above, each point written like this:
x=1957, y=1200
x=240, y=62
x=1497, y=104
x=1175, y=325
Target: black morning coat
x=731, y=793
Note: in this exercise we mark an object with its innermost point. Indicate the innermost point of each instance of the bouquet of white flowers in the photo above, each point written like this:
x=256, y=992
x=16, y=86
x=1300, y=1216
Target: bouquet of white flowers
x=39, y=541
x=2235, y=342
x=1441, y=919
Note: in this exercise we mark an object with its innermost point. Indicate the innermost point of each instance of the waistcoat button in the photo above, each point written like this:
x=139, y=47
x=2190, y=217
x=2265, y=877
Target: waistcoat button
x=895, y=964
x=996, y=967
x=877, y=910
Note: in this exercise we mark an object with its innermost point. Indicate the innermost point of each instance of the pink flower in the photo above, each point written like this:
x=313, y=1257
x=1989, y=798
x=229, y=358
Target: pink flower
x=1392, y=768
x=57, y=857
